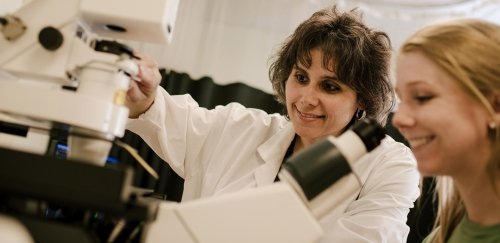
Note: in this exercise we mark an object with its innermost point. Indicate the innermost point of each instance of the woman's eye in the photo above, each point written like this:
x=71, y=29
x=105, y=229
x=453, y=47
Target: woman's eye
x=423, y=98
x=330, y=87
x=300, y=78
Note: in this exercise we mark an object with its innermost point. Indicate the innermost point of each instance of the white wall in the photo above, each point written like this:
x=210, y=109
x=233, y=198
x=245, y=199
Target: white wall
x=8, y=6
x=230, y=40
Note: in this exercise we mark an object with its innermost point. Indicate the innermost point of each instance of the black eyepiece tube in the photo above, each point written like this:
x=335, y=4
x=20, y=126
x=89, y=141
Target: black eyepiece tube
x=3, y=21
x=321, y=165
x=370, y=132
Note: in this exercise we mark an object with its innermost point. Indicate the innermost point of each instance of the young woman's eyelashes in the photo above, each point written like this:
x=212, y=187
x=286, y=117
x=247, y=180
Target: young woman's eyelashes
x=417, y=95
x=422, y=99
x=422, y=96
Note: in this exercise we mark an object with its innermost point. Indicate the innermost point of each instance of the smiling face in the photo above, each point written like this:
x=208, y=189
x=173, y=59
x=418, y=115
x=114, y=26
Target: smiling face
x=444, y=126
x=317, y=102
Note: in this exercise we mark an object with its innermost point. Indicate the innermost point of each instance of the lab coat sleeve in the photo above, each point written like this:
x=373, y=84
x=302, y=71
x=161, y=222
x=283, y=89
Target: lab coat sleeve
x=379, y=214
x=189, y=137
x=164, y=127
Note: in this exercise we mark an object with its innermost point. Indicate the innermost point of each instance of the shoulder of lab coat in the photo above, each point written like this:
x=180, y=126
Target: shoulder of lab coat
x=379, y=212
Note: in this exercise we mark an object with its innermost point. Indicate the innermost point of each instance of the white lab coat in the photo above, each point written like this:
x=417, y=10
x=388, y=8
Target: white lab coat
x=232, y=147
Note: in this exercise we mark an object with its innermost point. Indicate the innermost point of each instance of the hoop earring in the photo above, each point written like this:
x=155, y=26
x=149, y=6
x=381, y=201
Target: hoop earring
x=360, y=114
x=492, y=125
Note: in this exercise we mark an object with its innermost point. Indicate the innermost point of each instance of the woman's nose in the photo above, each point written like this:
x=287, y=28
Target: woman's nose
x=402, y=117
x=310, y=96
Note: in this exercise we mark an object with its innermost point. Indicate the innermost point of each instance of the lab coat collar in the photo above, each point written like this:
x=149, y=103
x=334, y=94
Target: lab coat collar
x=272, y=152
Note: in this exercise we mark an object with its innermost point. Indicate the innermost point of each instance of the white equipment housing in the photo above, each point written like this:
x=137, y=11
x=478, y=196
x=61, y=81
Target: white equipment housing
x=50, y=46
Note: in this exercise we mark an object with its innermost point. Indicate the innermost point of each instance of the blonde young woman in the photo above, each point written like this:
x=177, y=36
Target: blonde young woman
x=448, y=80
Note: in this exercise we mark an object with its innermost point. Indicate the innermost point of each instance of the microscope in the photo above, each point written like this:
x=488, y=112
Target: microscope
x=65, y=69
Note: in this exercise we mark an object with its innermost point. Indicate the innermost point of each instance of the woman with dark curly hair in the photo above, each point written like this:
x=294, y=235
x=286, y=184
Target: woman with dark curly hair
x=331, y=72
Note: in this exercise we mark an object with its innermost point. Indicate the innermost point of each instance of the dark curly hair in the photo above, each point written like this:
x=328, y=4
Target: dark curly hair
x=361, y=56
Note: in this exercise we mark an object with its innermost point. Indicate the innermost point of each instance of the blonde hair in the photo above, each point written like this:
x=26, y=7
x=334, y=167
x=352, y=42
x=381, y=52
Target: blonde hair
x=469, y=51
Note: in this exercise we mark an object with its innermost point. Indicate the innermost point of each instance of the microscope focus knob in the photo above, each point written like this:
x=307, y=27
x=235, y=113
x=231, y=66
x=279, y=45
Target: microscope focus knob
x=50, y=38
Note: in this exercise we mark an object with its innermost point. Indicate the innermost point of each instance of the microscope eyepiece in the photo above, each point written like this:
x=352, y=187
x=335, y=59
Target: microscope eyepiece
x=318, y=167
